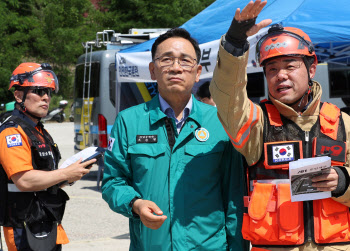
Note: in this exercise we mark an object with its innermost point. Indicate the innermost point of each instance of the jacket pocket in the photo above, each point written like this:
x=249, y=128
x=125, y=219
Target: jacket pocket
x=146, y=159
x=151, y=150
x=261, y=223
x=289, y=215
x=331, y=221
x=202, y=150
x=202, y=161
x=272, y=218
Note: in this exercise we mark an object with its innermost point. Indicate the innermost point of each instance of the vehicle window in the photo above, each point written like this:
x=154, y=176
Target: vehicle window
x=130, y=95
x=256, y=85
x=339, y=83
x=94, y=81
x=112, y=83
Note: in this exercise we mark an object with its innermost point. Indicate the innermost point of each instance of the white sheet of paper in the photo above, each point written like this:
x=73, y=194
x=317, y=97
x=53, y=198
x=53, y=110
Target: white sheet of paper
x=302, y=171
x=87, y=152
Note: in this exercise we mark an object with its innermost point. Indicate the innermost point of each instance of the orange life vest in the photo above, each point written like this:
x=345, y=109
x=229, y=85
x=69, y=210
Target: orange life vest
x=272, y=219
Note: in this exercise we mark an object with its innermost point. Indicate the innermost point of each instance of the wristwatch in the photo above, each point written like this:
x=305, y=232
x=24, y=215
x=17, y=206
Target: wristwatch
x=133, y=201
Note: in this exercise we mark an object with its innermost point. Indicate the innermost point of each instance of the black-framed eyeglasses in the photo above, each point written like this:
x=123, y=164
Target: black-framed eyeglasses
x=42, y=91
x=186, y=62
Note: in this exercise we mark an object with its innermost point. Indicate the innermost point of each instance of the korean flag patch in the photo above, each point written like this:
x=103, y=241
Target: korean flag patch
x=110, y=143
x=283, y=153
x=13, y=140
x=279, y=154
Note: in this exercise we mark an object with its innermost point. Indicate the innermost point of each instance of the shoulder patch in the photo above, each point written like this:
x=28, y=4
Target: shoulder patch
x=13, y=140
x=110, y=143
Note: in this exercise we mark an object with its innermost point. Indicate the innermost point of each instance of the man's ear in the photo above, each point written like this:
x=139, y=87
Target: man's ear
x=18, y=96
x=151, y=67
x=198, y=74
x=312, y=71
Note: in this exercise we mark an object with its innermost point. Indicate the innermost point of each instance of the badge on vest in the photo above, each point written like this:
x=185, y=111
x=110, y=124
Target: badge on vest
x=13, y=140
x=202, y=134
x=332, y=148
x=146, y=138
x=279, y=154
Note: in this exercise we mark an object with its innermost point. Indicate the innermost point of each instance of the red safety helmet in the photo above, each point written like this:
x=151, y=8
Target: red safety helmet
x=34, y=75
x=287, y=41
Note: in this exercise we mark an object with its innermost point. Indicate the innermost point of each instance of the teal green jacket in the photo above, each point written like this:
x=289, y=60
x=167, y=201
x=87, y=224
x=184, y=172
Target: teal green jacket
x=198, y=185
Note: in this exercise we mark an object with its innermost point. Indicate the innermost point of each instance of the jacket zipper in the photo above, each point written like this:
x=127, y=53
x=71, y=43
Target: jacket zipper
x=170, y=134
x=308, y=206
x=171, y=233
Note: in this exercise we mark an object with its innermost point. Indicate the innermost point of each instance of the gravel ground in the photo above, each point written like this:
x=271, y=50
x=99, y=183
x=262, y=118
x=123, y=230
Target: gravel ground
x=88, y=221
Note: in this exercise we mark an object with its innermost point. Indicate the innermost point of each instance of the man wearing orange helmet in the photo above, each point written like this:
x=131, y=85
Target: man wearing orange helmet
x=293, y=116
x=32, y=202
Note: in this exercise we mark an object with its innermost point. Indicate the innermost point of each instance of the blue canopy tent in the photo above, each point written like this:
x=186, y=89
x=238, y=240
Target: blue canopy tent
x=327, y=23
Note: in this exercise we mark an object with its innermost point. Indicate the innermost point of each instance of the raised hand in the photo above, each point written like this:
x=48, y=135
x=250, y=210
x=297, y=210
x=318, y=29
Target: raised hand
x=243, y=24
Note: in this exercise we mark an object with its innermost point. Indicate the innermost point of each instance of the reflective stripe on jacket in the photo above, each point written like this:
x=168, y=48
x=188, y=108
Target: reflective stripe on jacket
x=236, y=113
x=272, y=219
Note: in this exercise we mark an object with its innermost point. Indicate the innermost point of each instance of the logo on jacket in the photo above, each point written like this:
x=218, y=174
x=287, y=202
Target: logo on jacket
x=202, y=134
x=13, y=140
x=282, y=153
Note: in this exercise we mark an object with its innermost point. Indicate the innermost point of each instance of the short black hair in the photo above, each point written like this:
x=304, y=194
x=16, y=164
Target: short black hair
x=177, y=32
x=203, y=90
x=309, y=60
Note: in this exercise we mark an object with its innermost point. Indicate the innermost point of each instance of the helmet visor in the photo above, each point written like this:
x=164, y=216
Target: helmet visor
x=44, y=78
x=37, y=78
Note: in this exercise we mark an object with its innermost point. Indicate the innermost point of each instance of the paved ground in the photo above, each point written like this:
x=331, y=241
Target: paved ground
x=88, y=221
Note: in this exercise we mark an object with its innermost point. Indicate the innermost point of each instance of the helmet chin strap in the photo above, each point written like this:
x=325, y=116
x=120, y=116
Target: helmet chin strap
x=301, y=99
x=309, y=81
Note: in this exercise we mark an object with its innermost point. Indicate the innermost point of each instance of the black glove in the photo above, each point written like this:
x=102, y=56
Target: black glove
x=236, y=34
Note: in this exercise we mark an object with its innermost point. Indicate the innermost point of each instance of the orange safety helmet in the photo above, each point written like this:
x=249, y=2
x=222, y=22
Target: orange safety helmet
x=34, y=75
x=287, y=41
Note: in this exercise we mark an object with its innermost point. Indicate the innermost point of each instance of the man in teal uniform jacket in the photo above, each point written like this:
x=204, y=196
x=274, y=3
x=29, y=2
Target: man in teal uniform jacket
x=170, y=166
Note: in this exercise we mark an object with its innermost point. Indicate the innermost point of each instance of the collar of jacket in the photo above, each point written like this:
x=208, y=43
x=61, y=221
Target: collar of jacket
x=156, y=113
x=313, y=108
x=21, y=115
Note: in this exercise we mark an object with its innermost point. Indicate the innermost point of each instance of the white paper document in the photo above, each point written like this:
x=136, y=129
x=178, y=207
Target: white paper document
x=87, y=152
x=300, y=174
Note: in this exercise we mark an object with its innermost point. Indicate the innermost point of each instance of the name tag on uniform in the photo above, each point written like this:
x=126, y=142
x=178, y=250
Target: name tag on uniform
x=13, y=140
x=146, y=138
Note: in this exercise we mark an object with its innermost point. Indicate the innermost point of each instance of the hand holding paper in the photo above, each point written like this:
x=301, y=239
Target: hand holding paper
x=304, y=172
x=326, y=181
x=78, y=165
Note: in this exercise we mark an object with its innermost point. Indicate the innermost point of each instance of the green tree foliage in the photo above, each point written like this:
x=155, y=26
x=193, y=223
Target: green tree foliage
x=43, y=31
x=52, y=31
x=62, y=26
x=14, y=27
x=126, y=14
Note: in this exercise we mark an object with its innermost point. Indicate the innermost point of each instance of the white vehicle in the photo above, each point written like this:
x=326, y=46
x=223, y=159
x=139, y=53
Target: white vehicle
x=95, y=105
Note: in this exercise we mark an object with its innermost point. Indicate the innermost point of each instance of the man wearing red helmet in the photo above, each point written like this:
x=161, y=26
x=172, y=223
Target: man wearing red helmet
x=293, y=115
x=32, y=202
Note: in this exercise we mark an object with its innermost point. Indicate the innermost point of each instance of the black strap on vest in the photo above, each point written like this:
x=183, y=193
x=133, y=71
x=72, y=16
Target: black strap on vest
x=170, y=132
x=26, y=127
